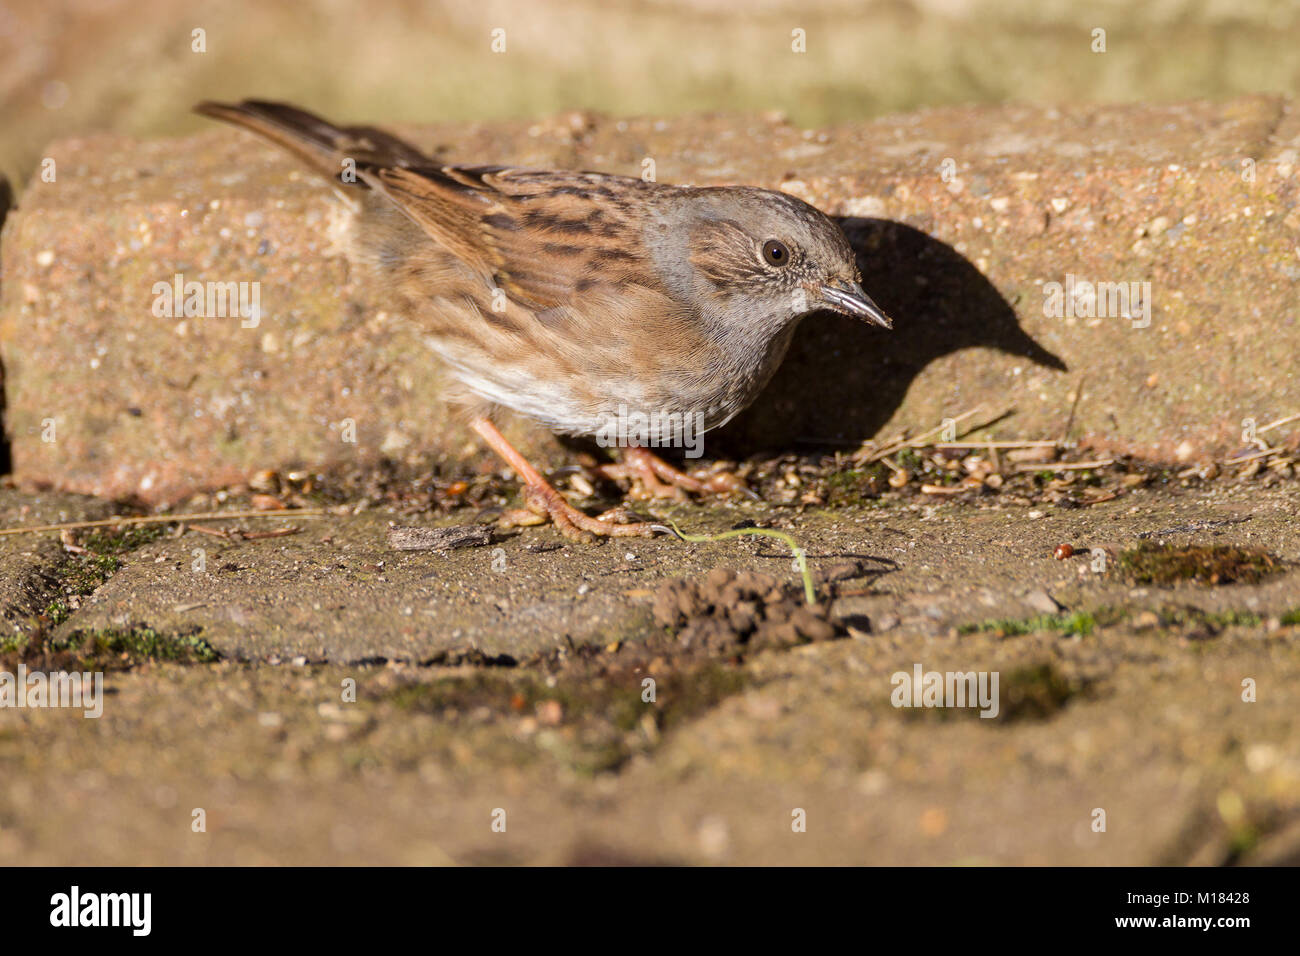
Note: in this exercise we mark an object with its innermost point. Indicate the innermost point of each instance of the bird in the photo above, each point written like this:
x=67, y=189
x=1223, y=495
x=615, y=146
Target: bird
x=579, y=299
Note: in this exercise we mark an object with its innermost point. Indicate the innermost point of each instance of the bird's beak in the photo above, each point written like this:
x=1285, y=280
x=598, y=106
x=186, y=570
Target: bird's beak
x=849, y=299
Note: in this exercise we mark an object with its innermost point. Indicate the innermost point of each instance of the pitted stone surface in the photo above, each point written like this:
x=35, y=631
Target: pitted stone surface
x=962, y=219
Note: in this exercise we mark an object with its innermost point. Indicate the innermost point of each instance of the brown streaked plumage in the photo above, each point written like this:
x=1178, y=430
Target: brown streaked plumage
x=574, y=296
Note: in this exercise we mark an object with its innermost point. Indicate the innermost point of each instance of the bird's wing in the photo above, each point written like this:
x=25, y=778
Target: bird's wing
x=567, y=246
x=545, y=238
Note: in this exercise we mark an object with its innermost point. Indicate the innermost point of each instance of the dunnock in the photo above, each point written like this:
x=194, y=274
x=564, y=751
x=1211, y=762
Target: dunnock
x=573, y=297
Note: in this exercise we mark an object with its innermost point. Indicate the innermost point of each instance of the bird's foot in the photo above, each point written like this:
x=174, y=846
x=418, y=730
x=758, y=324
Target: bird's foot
x=654, y=478
x=543, y=502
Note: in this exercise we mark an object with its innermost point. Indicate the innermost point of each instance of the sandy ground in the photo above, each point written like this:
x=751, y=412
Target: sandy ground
x=1124, y=706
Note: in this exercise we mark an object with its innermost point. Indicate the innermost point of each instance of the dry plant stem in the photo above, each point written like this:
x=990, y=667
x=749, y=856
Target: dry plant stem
x=926, y=439
x=167, y=519
x=214, y=532
x=925, y=436
x=1109, y=496
x=1027, y=443
x=259, y=535
x=1063, y=465
x=540, y=495
x=900, y=443
x=1074, y=407
x=1251, y=457
x=237, y=534
x=944, y=489
x=1277, y=424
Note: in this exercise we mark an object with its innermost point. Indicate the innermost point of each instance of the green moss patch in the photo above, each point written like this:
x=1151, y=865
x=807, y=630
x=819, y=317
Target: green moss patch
x=1166, y=565
x=114, y=541
x=106, y=649
x=1078, y=622
x=853, y=486
x=82, y=573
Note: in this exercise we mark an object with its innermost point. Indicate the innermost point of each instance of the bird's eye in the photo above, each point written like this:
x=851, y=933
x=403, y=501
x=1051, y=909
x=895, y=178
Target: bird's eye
x=775, y=253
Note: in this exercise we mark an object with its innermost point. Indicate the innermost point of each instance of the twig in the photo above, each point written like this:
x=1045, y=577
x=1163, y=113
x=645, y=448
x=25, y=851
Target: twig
x=215, y=532
x=1277, y=424
x=1253, y=455
x=899, y=443
x=1062, y=465
x=1023, y=444
x=1110, y=496
x=871, y=447
x=1069, y=422
x=237, y=534
x=257, y=535
x=168, y=519
x=944, y=489
x=920, y=440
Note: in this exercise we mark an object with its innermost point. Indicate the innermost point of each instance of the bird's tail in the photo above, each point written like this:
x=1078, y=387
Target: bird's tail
x=320, y=144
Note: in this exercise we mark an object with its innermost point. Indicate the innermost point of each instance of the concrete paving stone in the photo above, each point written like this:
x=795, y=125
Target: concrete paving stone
x=959, y=216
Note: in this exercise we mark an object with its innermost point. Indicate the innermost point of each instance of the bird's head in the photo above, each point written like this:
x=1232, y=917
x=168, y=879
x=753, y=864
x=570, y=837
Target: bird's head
x=762, y=253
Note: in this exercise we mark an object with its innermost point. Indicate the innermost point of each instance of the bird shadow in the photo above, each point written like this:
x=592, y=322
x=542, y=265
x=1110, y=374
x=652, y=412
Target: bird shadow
x=843, y=380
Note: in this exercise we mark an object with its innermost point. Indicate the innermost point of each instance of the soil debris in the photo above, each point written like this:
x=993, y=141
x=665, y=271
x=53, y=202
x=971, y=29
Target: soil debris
x=730, y=612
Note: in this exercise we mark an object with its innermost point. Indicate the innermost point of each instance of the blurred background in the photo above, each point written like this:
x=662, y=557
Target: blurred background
x=69, y=67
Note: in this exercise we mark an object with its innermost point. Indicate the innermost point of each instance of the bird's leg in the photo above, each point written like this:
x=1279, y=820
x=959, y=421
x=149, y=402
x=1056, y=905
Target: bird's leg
x=543, y=499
